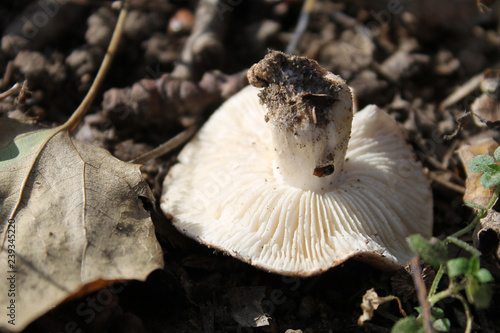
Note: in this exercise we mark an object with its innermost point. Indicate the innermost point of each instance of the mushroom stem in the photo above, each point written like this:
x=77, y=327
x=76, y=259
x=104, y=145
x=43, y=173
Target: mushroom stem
x=310, y=116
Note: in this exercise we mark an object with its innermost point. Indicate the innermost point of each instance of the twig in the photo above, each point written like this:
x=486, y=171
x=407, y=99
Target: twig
x=101, y=74
x=462, y=91
x=446, y=183
x=14, y=90
x=305, y=14
x=418, y=281
x=167, y=147
x=7, y=74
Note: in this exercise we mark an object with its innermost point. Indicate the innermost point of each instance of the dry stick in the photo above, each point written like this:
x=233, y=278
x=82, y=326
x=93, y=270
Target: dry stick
x=167, y=147
x=305, y=13
x=101, y=74
x=7, y=74
x=462, y=91
x=418, y=281
x=14, y=90
x=452, y=186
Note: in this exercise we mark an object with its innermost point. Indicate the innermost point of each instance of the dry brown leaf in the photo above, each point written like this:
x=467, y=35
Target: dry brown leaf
x=486, y=108
x=487, y=234
x=371, y=301
x=71, y=216
x=474, y=191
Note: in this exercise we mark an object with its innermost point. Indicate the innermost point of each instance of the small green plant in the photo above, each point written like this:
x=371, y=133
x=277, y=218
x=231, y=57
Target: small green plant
x=486, y=164
x=465, y=275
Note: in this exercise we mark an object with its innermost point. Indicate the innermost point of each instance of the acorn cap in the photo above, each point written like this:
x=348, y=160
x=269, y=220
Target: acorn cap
x=282, y=187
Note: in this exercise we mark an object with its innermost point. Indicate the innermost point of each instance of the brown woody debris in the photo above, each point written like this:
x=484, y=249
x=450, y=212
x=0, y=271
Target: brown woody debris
x=163, y=101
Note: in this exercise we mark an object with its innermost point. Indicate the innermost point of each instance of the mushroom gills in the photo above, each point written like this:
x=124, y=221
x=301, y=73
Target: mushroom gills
x=297, y=196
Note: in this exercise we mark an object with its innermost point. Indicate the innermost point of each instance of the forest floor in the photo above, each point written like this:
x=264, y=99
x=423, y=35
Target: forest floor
x=405, y=56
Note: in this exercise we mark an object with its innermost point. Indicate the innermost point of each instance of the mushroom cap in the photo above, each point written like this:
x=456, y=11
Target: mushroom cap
x=225, y=192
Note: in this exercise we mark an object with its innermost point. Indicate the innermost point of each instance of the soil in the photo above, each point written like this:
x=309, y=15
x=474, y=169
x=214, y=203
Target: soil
x=405, y=56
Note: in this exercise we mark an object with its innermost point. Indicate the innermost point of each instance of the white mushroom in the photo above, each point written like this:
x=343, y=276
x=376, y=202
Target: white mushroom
x=284, y=188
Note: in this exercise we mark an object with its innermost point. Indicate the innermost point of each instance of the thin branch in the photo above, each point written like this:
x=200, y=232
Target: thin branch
x=462, y=91
x=418, y=281
x=14, y=90
x=167, y=147
x=452, y=186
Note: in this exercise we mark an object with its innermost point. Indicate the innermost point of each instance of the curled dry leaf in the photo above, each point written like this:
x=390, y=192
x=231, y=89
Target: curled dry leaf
x=487, y=235
x=71, y=218
x=371, y=301
x=474, y=191
x=486, y=108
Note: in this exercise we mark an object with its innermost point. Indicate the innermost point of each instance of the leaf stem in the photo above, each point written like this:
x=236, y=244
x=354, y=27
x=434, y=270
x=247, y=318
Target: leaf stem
x=441, y=295
x=435, y=282
x=468, y=315
x=463, y=245
x=101, y=74
x=453, y=292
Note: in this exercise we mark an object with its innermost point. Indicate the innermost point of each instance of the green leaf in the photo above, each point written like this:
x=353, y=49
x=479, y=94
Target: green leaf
x=478, y=294
x=408, y=325
x=494, y=167
x=442, y=325
x=457, y=267
x=480, y=163
x=484, y=276
x=432, y=251
x=497, y=154
x=474, y=265
x=439, y=322
x=489, y=179
x=437, y=313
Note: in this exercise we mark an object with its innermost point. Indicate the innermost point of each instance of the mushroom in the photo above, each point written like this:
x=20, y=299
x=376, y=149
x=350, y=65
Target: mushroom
x=277, y=178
